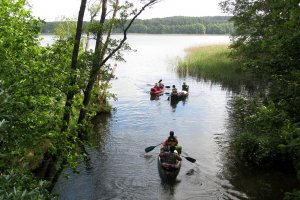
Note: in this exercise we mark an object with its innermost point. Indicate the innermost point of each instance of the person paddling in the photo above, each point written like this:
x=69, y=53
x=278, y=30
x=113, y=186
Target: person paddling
x=185, y=87
x=161, y=86
x=169, y=158
x=171, y=141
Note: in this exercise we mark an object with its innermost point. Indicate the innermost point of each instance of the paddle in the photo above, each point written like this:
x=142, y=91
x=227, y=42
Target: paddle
x=189, y=159
x=148, y=149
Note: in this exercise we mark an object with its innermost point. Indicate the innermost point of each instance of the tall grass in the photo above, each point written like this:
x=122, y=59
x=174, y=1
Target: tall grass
x=213, y=63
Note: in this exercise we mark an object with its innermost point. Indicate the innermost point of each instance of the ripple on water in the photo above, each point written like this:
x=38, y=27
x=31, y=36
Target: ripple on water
x=121, y=169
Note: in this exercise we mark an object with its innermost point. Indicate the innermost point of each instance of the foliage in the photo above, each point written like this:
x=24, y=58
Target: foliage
x=292, y=195
x=35, y=82
x=267, y=40
x=265, y=132
x=19, y=184
x=267, y=35
x=168, y=25
x=65, y=28
x=32, y=85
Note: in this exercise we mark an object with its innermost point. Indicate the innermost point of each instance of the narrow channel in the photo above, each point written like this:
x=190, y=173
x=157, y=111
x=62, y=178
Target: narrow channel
x=120, y=168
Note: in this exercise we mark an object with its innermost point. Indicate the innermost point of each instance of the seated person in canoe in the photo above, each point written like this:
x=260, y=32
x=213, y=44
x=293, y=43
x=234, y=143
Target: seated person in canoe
x=170, y=158
x=185, y=87
x=170, y=141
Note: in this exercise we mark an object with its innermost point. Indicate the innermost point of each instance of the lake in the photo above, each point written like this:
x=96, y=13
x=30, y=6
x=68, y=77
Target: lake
x=120, y=168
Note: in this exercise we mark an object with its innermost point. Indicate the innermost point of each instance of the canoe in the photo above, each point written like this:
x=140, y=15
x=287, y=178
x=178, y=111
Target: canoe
x=167, y=172
x=157, y=91
x=179, y=96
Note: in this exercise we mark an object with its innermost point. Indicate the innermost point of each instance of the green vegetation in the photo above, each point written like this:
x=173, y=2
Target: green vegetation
x=48, y=95
x=267, y=41
x=31, y=102
x=169, y=25
x=213, y=63
x=265, y=44
x=210, y=62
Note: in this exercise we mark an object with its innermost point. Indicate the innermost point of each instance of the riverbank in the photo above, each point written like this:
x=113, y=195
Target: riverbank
x=214, y=64
x=263, y=130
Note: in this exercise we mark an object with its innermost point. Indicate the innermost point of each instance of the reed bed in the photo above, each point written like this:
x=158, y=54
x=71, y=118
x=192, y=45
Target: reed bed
x=212, y=62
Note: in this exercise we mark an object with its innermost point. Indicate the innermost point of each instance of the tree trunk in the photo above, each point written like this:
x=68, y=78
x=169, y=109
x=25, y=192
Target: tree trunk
x=100, y=60
x=94, y=71
x=71, y=93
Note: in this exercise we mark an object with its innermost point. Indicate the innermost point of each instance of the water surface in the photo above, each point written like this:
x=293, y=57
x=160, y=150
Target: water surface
x=120, y=167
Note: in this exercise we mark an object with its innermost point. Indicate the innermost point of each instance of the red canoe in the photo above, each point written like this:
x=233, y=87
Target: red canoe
x=157, y=91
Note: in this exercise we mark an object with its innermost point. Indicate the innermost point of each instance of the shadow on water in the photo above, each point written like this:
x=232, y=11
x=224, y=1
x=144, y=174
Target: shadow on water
x=269, y=183
x=249, y=84
x=169, y=186
x=174, y=103
x=154, y=97
x=263, y=184
x=101, y=128
x=252, y=182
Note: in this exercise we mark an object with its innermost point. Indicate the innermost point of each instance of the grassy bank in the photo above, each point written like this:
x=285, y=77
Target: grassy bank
x=213, y=63
x=264, y=126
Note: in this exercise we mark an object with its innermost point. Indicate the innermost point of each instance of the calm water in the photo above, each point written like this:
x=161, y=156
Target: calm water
x=120, y=169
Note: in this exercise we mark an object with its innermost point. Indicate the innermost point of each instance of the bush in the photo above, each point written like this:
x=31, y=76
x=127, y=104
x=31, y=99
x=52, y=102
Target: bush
x=268, y=136
x=292, y=195
x=21, y=184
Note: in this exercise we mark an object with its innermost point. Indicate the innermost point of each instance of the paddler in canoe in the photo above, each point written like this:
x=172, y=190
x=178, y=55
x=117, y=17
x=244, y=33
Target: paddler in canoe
x=169, y=159
x=170, y=141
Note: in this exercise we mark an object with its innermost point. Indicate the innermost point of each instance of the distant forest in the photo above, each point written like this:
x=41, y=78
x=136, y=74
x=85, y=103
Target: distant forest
x=170, y=25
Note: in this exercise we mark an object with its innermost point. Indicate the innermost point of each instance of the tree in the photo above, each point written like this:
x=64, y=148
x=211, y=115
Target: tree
x=31, y=81
x=266, y=33
x=106, y=49
x=267, y=41
x=71, y=93
x=93, y=9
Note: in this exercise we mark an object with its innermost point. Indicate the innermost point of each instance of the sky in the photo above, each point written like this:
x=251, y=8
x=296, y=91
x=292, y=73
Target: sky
x=54, y=10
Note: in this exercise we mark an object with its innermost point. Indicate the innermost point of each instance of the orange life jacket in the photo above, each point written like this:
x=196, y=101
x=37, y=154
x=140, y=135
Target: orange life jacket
x=171, y=141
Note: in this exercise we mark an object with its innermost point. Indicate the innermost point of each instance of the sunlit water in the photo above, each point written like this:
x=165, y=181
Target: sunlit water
x=120, y=169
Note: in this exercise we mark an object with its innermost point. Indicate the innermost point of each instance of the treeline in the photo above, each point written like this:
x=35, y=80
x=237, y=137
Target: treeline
x=170, y=25
x=267, y=124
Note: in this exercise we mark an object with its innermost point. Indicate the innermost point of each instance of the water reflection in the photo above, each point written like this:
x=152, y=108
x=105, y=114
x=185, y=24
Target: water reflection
x=101, y=130
x=174, y=103
x=121, y=168
x=254, y=182
x=169, y=187
x=249, y=84
x=264, y=184
x=154, y=97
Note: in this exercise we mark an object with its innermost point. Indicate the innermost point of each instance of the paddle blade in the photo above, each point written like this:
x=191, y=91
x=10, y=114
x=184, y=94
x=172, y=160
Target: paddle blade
x=148, y=149
x=190, y=159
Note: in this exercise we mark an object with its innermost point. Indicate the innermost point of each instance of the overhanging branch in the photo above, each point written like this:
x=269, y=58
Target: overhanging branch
x=125, y=32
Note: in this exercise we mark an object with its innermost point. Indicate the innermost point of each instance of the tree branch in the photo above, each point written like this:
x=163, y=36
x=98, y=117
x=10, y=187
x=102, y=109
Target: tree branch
x=125, y=32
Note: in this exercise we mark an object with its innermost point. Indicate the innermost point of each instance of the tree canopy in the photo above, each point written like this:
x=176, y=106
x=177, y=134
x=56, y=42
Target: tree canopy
x=267, y=33
x=267, y=41
x=42, y=103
